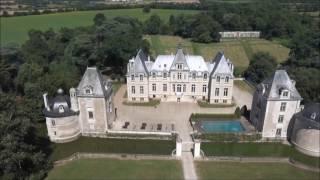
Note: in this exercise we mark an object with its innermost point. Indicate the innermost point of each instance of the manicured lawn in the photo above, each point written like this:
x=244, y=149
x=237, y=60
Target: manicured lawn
x=238, y=51
x=251, y=171
x=109, y=145
x=152, y=102
x=258, y=150
x=116, y=86
x=243, y=85
x=118, y=169
x=15, y=29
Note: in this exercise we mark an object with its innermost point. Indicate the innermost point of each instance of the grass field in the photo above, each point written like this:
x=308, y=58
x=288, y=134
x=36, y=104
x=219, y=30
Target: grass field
x=251, y=171
x=243, y=85
x=118, y=169
x=15, y=29
x=238, y=51
x=108, y=145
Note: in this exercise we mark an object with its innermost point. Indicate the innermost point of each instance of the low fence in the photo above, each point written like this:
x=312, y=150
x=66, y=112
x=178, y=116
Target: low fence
x=77, y=156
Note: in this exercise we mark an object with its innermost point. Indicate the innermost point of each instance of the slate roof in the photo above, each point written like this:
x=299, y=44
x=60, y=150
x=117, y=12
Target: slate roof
x=91, y=79
x=279, y=80
x=312, y=112
x=180, y=58
x=141, y=63
x=220, y=65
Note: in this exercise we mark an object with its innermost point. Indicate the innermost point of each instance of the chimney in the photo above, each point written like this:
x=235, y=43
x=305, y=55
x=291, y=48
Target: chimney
x=45, y=100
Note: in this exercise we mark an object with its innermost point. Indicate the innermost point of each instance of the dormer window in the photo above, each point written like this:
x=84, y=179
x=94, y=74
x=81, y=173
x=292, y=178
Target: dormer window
x=164, y=75
x=141, y=77
x=227, y=79
x=132, y=77
x=285, y=94
x=61, y=109
x=313, y=116
x=153, y=75
x=205, y=76
x=165, y=65
x=193, y=75
x=218, y=78
x=179, y=66
x=88, y=91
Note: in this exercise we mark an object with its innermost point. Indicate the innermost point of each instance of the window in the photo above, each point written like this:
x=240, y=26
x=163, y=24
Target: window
x=153, y=75
x=285, y=94
x=164, y=87
x=141, y=77
x=227, y=79
x=193, y=88
x=193, y=75
x=280, y=119
x=133, y=89
x=132, y=77
x=218, y=78
x=88, y=91
x=184, y=88
x=179, y=75
x=313, y=116
x=90, y=113
x=204, y=88
x=179, y=88
x=216, y=101
x=173, y=76
x=53, y=123
x=224, y=101
x=278, y=133
x=165, y=65
x=225, y=91
x=283, y=106
x=179, y=66
x=205, y=76
x=164, y=75
x=141, y=89
x=133, y=99
x=216, y=92
x=55, y=133
x=173, y=87
x=154, y=88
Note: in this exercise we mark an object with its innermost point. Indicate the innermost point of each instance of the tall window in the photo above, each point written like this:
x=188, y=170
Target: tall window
x=90, y=114
x=227, y=79
x=204, y=88
x=179, y=66
x=179, y=88
x=53, y=122
x=141, y=77
x=184, y=88
x=173, y=87
x=132, y=77
x=225, y=91
x=283, y=106
x=205, y=76
x=154, y=88
x=216, y=92
x=278, y=132
x=133, y=89
x=164, y=75
x=280, y=119
x=164, y=87
x=193, y=75
x=141, y=90
x=193, y=88
x=179, y=75
x=218, y=78
x=285, y=94
x=153, y=75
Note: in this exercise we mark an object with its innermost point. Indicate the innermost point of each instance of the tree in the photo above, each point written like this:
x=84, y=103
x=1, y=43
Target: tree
x=153, y=24
x=146, y=9
x=261, y=66
x=98, y=19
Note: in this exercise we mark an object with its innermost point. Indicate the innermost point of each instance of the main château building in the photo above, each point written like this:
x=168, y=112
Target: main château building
x=180, y=77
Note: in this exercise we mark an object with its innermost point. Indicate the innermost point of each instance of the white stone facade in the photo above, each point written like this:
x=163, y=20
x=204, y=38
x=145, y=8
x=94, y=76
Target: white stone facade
x=180, y=78
x=88, y=111
x=275, y=101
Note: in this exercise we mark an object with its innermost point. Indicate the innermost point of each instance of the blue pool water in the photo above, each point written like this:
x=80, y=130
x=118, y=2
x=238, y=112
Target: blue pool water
x=222, y=126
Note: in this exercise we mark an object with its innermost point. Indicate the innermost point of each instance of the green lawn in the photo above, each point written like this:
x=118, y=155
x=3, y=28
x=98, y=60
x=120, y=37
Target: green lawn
x=118, y=169
x=15, y=29
x=258, y=150
x=251, y=171
x=109, y=145
x=243, y=85
x=238, y=51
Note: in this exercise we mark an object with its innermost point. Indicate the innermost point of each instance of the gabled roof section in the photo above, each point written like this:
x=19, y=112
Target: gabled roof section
x=279, y=80
x=93, y=79
x=179, y=58
x=140, y=62
x=221, y=65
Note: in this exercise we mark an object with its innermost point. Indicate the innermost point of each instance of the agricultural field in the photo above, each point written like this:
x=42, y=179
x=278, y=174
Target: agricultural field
x=15, y=29
x=118, y=169
x=238, y=51
x=252, y=171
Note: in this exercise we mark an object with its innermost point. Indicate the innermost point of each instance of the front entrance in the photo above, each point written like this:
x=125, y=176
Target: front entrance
x=178, y=99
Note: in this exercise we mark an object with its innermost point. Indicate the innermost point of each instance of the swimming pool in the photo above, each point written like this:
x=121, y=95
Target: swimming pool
x=232, y=126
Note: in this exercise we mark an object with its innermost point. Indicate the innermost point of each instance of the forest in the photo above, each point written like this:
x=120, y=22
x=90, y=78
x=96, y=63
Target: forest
x=52, y=59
